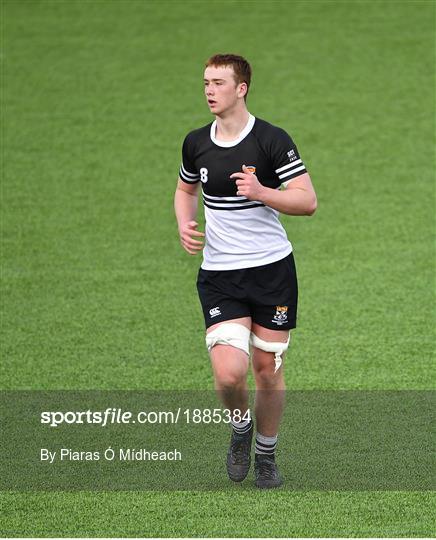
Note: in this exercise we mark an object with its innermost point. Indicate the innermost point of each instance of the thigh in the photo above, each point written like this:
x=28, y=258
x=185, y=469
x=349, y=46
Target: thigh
x=274, y=299
x=262, y=361
x=245, y=321
x=270, y=335
x=229, y=363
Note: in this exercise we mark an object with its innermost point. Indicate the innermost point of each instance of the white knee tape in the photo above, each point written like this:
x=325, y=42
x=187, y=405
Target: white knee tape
x=271, y=346
x=233, y=334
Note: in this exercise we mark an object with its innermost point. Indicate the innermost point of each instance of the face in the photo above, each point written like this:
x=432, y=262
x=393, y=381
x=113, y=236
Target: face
x=222, y=92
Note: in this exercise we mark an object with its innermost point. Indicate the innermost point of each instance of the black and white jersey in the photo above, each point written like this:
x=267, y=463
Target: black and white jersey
x=240, y=233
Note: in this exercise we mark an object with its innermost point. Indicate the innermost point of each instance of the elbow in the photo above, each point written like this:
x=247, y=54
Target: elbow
x=311, y=208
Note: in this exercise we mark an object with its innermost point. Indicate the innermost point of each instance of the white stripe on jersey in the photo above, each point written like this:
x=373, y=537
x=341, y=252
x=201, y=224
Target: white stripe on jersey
x=189, y=179
x=186, y=179
x=234, y=205
x=288, y=166
x=194, y=175
x=240, y=198
x=288, y=173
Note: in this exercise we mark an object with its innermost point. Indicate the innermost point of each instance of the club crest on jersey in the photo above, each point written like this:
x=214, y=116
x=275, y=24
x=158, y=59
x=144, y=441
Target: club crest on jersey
x=281, y=315
x=291, y=155
x=251, y=168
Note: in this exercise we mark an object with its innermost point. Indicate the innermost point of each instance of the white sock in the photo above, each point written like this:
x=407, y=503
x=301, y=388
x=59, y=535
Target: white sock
x=265, y=445
x=241, y=427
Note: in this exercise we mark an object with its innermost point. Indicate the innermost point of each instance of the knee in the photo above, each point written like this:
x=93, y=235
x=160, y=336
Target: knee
x=229, y=380
x=267, y=376
x=230, y=363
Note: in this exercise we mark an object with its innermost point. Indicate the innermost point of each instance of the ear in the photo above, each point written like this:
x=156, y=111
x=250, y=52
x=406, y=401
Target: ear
x=242, y=89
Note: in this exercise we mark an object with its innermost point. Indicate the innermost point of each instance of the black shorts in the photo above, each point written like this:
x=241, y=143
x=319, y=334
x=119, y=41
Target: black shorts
x=268, y=294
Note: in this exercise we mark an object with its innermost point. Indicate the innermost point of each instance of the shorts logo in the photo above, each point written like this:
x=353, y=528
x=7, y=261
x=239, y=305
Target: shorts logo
x=214, y=312
x=281, y=315
x=291, y=155
x=251, y=168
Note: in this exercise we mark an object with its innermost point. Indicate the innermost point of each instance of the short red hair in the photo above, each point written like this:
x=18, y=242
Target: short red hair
x=241, y=68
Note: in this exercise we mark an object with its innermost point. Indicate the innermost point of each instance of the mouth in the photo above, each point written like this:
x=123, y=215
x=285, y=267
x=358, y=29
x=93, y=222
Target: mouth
x=211, y=102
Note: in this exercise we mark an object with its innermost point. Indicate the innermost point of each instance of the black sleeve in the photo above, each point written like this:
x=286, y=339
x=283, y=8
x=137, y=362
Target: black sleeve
x=286, y=160
x=188, y=172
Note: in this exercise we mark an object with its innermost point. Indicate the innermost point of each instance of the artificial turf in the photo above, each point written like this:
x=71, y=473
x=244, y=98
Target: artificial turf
x=96, y=290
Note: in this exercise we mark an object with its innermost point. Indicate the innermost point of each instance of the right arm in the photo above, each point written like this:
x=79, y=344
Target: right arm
x=185, y=205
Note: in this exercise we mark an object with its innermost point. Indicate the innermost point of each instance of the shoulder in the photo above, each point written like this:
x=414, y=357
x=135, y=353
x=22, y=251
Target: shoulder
x=269, y=134
x=197, y=135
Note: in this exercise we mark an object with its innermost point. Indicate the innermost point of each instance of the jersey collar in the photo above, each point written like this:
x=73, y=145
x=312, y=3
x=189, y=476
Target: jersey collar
x=242, y=135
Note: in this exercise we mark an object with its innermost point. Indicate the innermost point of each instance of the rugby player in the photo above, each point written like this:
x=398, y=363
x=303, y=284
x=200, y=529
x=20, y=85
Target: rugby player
x=249, y=171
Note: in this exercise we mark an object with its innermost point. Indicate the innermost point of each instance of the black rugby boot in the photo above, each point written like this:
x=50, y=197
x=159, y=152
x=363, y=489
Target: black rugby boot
x=239, y=455
x=266, y=472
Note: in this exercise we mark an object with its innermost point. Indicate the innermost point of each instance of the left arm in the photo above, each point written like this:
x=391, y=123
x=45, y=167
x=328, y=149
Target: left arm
x=297, y=199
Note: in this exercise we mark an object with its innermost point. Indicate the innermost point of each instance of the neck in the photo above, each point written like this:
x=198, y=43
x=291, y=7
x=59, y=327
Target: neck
x=230, y=125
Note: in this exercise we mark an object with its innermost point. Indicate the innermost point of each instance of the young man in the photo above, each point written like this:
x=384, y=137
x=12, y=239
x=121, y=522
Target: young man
x=247, y=282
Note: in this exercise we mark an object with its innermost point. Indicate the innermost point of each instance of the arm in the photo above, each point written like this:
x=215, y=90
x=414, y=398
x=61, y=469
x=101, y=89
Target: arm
x=185, y=205
x=297, y=199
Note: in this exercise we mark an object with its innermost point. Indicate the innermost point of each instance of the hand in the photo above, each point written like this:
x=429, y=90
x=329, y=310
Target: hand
x=187, y=231
x=247, y=184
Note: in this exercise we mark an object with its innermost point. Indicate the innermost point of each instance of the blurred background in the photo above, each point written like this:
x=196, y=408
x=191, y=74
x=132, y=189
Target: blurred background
x=97, y=98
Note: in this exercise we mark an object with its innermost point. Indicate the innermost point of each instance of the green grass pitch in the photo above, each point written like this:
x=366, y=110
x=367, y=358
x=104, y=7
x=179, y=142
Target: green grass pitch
x=97, y=96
